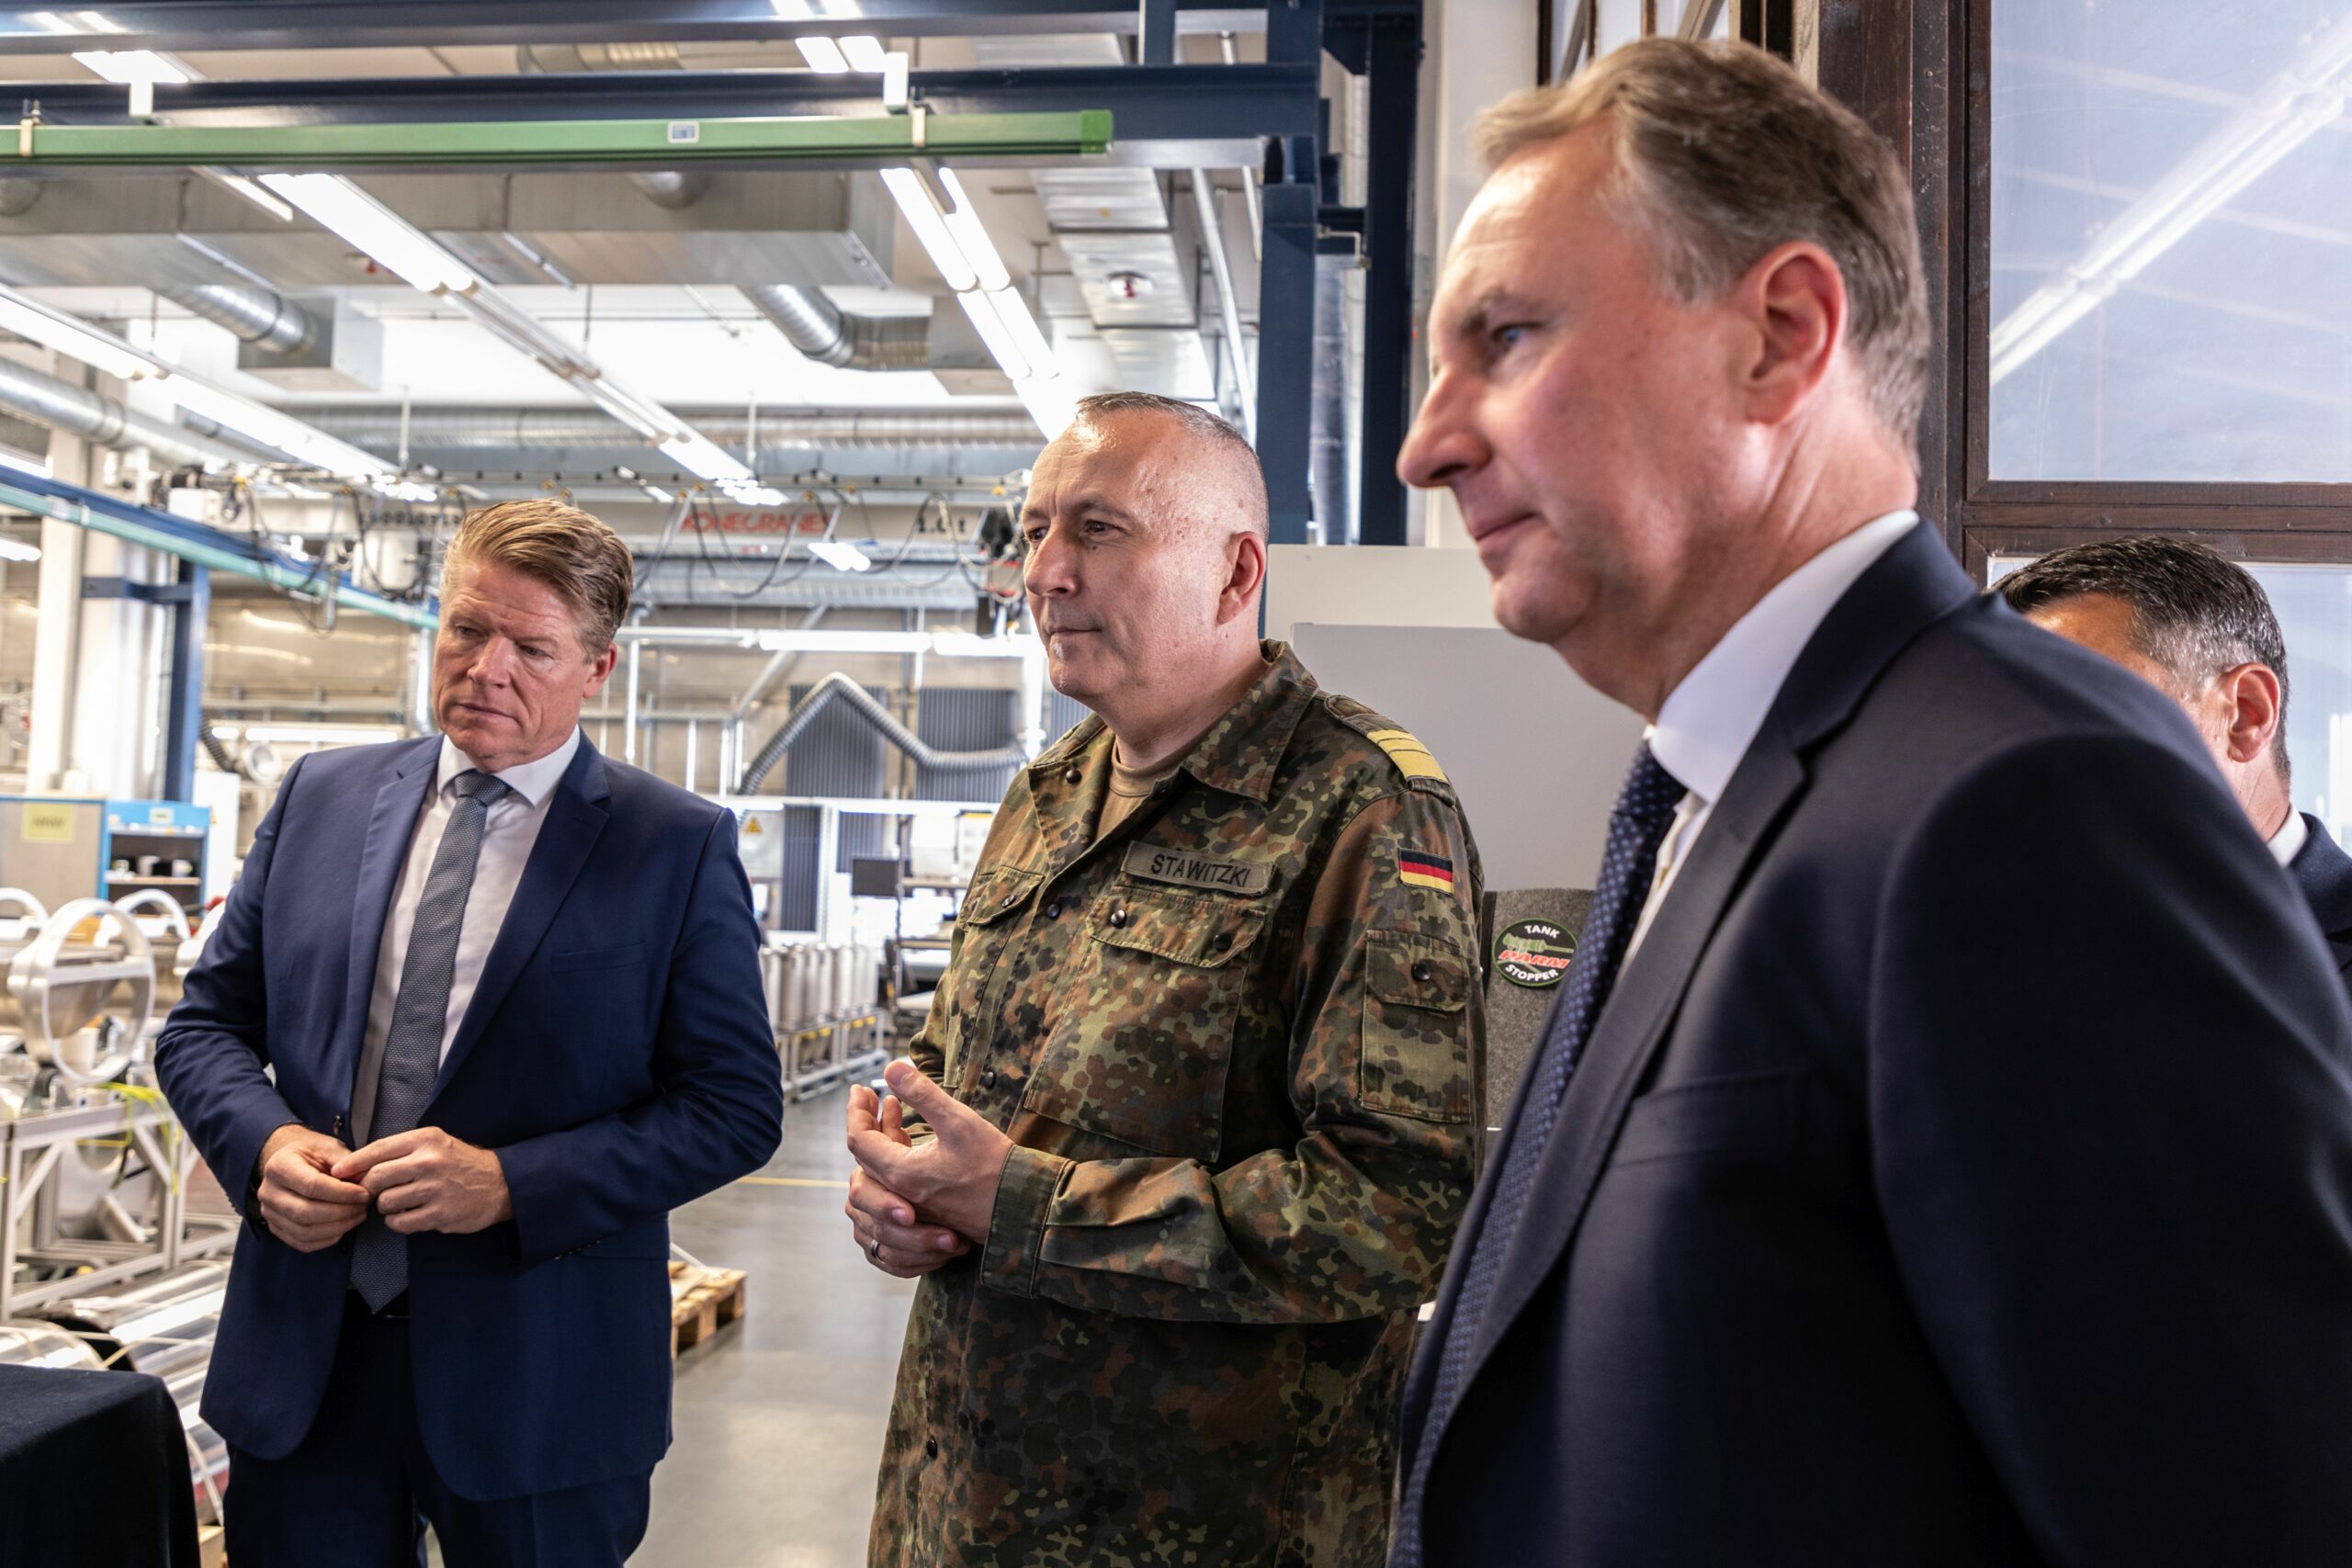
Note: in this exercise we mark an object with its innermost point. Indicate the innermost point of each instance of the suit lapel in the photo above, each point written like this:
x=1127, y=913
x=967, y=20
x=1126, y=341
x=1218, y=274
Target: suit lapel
x=576, y=816
x=1913, y=584
x=390, y=824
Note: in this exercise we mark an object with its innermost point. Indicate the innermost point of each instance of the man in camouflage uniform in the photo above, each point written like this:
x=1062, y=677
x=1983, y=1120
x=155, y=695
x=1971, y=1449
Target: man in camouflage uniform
x=1199, y=1082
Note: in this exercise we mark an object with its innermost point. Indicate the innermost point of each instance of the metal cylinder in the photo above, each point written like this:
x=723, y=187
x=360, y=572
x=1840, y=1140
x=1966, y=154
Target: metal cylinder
x=81, y=994
x=45, y=400
x=257, y=315
x=24, y=1343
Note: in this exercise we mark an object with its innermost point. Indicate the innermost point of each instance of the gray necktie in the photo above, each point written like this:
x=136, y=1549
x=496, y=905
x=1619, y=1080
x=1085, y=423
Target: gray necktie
x=420, y=1015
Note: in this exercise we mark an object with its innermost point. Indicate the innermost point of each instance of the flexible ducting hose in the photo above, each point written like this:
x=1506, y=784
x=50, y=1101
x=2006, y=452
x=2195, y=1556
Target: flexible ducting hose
x=861, y=702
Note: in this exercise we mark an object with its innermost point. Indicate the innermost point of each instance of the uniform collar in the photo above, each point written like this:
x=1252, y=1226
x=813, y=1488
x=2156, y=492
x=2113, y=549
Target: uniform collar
x=1241, y=750
x=533, y=780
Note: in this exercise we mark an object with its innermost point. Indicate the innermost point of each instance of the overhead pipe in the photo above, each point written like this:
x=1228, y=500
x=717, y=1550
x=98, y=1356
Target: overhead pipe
x=46, y=400
x=831, y=336
x=259, y=316
x=674, y=189
x=429, y=427
x=839, y=688
x=1229, y=306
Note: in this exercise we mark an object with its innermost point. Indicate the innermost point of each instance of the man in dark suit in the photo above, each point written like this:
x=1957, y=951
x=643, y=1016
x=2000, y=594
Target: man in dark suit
x=2200, y=629
x=1942, y=1152
x=509, y=992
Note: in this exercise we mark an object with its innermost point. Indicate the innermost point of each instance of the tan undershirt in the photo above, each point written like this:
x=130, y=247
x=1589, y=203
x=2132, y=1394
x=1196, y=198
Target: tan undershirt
x=1126, y=791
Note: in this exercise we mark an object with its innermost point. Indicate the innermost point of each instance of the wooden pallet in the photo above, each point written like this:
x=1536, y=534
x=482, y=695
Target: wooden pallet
x=209, y=1551
x=701, y=1300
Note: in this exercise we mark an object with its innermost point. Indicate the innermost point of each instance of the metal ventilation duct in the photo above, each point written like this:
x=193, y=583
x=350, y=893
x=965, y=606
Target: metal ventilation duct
x=256, y=315
x=1112, y=225
x=61, y=405
x=548, y=428
x=831, y=336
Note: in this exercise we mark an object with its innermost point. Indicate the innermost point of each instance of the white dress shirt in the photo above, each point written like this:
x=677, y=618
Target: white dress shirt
x=507, y=836
x=1704, y=726
x=2288, y=841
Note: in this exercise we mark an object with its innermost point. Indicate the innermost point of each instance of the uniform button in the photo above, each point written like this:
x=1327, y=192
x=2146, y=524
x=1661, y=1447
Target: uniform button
x=1422, y=974
x=1118, y=917
x=1054, y=910
x=1072, y=776
x=987, y=1078
x=988, y=1426
x=931, y=1448
x=1222, y=940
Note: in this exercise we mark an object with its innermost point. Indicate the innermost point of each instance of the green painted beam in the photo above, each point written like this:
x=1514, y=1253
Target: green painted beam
x=178, y=542
x=663, y=142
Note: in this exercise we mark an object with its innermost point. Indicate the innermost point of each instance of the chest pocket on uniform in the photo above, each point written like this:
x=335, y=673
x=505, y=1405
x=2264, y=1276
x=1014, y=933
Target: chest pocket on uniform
x=983, y=923
x=1415, y=1059
x=1143, y=1035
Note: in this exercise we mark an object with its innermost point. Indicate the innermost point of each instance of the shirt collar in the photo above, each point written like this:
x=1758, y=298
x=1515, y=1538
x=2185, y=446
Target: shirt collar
x=1706, y=722
x=2288, y=841
x=533, y=780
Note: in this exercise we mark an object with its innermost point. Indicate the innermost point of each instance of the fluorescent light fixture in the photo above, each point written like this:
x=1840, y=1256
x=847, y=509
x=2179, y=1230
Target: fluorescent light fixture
x=376, y=229
x=822, y=54
x=408, y=489
x=755, y=494
x=914, y=199
x=128, y=65
x=972, y=236
x=864, y=53
x=268, y=425
x=657, y=493
x=73, y=337
x=1027, y=336
x=1052, y=401
x=842, y=556
x=13, y=549
x=894, y=80
x=251, y=192
x=997, y=337
x=698, y=454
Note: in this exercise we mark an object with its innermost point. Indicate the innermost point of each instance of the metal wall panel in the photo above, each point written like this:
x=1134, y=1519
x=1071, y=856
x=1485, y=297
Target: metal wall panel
x=958, y=718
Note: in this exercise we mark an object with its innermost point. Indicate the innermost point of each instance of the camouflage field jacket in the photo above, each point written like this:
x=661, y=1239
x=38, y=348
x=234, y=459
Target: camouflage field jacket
x=1237, y=1045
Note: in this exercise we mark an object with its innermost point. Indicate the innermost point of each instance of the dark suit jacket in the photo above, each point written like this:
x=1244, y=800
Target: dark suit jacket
x=1961, y=1170
x=2323, y=872
x=617, y=1056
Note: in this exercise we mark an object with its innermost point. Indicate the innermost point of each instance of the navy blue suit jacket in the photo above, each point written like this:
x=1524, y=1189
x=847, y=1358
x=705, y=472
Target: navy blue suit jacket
x=616, y=1055
x=1961, y=1172
x=2323, y=872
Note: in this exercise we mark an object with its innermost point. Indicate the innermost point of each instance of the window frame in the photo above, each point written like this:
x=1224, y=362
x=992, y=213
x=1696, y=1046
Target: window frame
x=1919, y=71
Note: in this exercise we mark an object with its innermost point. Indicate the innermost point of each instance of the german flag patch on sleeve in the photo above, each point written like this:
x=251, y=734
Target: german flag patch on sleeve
x=1421, y=869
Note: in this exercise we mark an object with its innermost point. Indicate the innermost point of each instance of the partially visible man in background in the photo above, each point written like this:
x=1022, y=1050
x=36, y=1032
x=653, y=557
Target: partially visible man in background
x=2201, y=630
x=482, y=1008
x=1200, y=1078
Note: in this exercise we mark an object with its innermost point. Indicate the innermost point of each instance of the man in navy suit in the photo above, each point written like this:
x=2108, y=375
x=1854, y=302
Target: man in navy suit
x=2200, y=629
x=1941, y=1151
x=481, y=1009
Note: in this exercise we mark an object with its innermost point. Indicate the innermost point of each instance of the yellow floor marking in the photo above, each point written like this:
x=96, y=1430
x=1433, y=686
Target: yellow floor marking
x=788, y=1182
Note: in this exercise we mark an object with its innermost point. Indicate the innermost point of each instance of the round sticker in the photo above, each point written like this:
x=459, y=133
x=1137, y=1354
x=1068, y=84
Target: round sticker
x=1534, y=954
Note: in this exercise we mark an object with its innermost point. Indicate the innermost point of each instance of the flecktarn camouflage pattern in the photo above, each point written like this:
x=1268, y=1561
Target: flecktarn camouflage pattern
x=1237, y=1044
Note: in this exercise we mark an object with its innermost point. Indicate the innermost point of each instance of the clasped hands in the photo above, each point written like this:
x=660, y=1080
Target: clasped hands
x=917, y=1205
x=314, y=1191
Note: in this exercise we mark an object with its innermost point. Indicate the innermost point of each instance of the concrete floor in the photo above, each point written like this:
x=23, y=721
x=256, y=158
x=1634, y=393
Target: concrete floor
x=779, y=1418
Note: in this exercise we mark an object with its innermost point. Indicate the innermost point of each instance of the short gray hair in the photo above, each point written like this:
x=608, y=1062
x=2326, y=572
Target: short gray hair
x=1725, y=152
x=1197, y=422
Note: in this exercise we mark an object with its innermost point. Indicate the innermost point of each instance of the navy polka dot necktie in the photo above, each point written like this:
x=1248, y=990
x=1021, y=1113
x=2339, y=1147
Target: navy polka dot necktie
x=1637, y=827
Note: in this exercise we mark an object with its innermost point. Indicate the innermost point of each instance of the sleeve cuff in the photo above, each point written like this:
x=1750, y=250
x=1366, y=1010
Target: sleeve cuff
x=1024, y=1196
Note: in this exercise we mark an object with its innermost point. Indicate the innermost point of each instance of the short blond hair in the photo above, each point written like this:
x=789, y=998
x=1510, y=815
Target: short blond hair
x=1723, y=152
x=576, y=555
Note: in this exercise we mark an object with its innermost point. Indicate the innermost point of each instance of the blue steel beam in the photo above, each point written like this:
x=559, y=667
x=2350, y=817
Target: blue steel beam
x=351, y=24
x=215, y=548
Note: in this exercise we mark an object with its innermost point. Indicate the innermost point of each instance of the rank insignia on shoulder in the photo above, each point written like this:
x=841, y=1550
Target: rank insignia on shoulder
x=1425, y=871
x=1412, y=758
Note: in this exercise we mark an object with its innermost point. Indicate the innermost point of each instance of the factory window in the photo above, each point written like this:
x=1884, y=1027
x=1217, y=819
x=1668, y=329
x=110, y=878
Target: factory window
x=2168, y=242
x=2132, y=221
